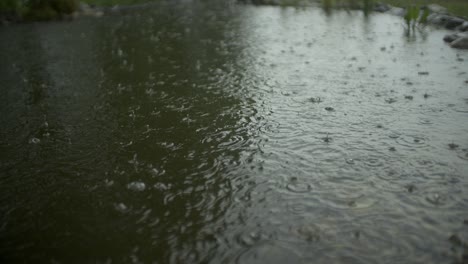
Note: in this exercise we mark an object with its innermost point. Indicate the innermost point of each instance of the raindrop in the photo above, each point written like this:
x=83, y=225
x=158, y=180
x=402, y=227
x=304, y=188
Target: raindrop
x=121, y=207
x=435, y=199
x=136, y=186
x=35, y=140
x=411, y=188
x=108, y=183
x=453, y=146
x=296, y=187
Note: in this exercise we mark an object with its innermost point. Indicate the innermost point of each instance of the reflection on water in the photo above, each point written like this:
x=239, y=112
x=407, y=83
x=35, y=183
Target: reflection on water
x=215, y=133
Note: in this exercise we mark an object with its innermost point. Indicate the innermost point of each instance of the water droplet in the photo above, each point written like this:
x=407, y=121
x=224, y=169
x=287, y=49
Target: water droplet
x=411, y=188
x=35, y=140
x=136, y=186
x=121, y=207
x=108, y=182
x=297, y=187
x=435, y=199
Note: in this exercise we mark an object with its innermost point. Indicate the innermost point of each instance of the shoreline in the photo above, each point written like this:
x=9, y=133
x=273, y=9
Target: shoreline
x=432, y=14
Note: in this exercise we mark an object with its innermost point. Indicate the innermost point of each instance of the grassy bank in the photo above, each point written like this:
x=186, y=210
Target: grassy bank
x=456, y=7
x=19, y=10
x=40, y=10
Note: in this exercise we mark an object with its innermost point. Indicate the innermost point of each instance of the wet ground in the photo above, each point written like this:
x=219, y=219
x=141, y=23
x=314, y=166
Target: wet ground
x=220, y=133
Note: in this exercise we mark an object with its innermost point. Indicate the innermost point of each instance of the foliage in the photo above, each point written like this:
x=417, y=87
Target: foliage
x=36, y=9
x=456, y=7
x=11, y=9
x=416, y=16
x=50, y=9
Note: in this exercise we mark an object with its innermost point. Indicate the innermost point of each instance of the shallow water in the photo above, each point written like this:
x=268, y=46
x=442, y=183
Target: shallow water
x=217, y=133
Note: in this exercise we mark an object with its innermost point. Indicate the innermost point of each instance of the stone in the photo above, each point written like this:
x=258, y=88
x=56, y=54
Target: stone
x=263, y=2
x=84, y=7
x=453, y=22
x=434, y=8
x=451, y=37
x=449, y=22
x=460, y=43
x=89, y=10
x=397, y=11
x=434, y=18
x=381, y=7
x=464, y=27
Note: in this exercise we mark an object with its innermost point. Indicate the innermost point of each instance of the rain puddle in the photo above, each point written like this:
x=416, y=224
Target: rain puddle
x=190, y=132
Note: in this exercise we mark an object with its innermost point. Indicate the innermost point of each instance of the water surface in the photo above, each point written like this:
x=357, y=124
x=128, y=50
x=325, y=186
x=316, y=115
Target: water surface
x=192, y=132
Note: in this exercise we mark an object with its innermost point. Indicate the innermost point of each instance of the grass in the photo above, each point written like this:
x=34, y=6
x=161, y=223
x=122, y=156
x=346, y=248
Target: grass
x=51, y=9
x=456, y=7
x=42, y=10
x=18, y=10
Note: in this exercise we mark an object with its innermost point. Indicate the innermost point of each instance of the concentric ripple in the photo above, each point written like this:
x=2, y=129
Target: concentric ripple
x=412, y=141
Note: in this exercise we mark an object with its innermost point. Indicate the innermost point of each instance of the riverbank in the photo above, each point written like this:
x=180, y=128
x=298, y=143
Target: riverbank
x=14, y=11
x=455, y=7
x=416, y=15
x=43, y=10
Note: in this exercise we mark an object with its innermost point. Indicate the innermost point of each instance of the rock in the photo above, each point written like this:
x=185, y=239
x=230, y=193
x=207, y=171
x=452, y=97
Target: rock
x=434, y=18
x=460, y=43
x=449, y=22
x=262, y=2
x=381, y=7
x=451, y=37
x=464, y=27
x=83, y=7
x=434, y=8
x=453, y=22
x=397, y=11
x=87, y=10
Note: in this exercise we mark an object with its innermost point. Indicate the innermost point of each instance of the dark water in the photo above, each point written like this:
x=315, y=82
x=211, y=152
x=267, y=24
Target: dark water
x=218, y=133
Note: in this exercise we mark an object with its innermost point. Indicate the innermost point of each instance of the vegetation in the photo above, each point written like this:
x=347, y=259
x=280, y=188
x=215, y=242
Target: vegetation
x=36, y=9
x=456, y=7
x=19, y=10
x=15, y=10
x=415, y=16
x=49, y=9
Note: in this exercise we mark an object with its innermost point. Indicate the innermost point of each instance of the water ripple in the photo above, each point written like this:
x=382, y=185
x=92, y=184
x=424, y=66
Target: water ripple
x=412, y=141
x=268, y=252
